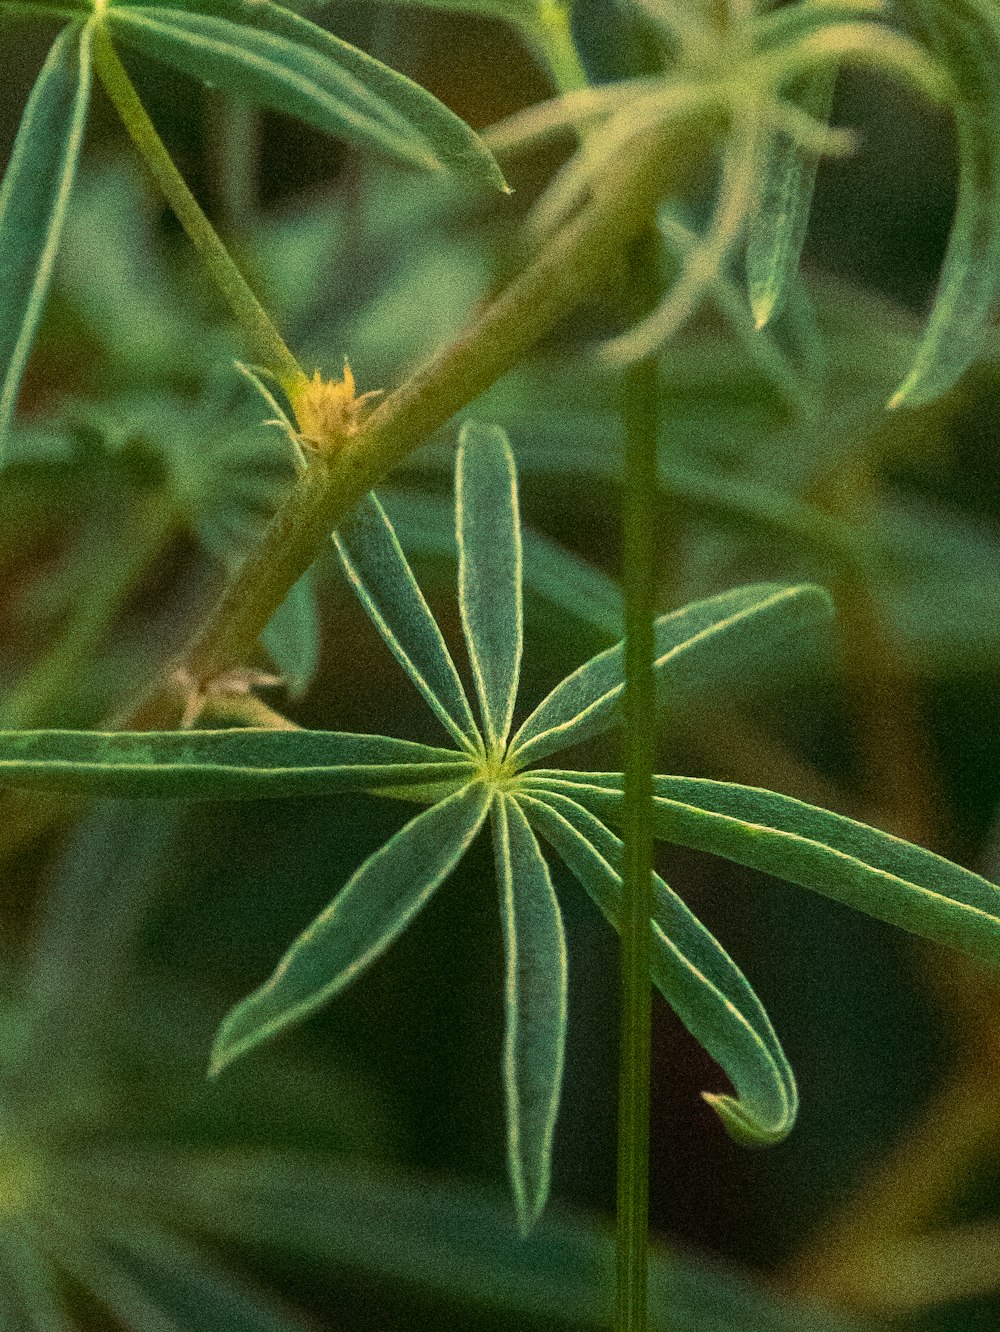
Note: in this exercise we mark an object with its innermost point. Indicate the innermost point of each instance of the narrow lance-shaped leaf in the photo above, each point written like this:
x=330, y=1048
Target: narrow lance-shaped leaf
x=535, y=1036
x=777, y=229
x=383, y=580
x=848, y=861
x=691, y=970
x=220, y=765
x=34, y=198
x=426, y=526
x=488, y=531
x=703, y=644
x=965, y=34
x=292, y=636
x=359, y=924
x=271, y=56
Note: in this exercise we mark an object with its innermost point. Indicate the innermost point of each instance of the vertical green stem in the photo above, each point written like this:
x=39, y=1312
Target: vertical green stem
x=553, y=39
x=268, y=344
x=641, y=416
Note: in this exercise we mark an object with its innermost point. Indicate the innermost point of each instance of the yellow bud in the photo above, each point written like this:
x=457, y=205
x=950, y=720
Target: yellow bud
x=328, y=409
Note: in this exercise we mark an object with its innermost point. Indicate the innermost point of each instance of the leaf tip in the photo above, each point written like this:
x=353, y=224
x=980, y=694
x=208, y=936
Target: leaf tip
x=744, y=1127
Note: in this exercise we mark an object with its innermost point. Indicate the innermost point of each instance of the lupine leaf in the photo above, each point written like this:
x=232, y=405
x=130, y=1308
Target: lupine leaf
x=376, y=1223
x=360, y=923
x=690, y=968
x=523, y=12
x=381, y=576
x=848, y=861
x=965, y=35
x=488, y=532
x=34, y=1283
x=708, y=642
x=535, y=1036
x=219, y=765
x=34, y=198
x=199, y=1296
x=426, y=526
x=271, y=56
x=792, y=22
x=292, y=636
x=777, y=228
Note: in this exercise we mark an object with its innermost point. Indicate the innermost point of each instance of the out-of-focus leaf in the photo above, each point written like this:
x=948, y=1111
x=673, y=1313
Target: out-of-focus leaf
x=463, y=1245
x=965, y=36
x=690, y=968
x=34, y=198
x=188, y=1290
x=372, y=908
x=383, y=580
x=777, y=228
x=488, y=533
x=268, y=55
x=219, y=765
x=708, y=642
x=292, y=636
x=848, y=861
x=526, y=12
x=535, y=1036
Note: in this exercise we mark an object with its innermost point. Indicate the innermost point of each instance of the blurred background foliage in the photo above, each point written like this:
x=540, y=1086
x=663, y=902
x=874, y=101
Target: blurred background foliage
x=328, y=1173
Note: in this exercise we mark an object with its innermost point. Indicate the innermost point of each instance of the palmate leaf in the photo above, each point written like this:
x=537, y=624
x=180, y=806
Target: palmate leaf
x=363, y=919
x=488, y=533
x=850, y=862
x=383, y=580
x=265, y=53
x=695, y=975
x=535, y=1036
x=34, y=198
x=221, y=765
x=777, y=228
x=379, y=1224
x=965, y=35
x=706, y=643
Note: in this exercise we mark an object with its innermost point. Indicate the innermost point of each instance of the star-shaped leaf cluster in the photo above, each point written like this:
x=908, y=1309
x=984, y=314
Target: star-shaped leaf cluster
x=488, y=774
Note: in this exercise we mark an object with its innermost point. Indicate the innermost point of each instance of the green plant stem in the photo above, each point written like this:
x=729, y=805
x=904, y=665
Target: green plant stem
x=268, y=345
x=575, y=263
x=641, y=418
x=552, y=38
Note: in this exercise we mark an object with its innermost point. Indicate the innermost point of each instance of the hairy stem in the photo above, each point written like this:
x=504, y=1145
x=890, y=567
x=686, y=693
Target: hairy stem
x=641, y=417
x=268, y=345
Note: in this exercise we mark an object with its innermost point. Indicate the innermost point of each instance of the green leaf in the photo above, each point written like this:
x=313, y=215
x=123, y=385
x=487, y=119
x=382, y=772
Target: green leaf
x=377, y=1223
x=965, y=35
x=777, y=228
x=850, y=862
x=690, y=968
x=292, y=636
x=219, y=765
x=523, y=13
x=33, y=1283
x=34, y=198
x=535, y=1035
x=270, y=56
x=704, y=644
x=189, y=1292
x=488, y=532
x=372, y=908
x=383, y=580
x=425, y=525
